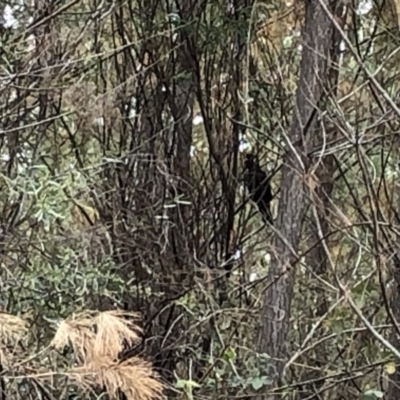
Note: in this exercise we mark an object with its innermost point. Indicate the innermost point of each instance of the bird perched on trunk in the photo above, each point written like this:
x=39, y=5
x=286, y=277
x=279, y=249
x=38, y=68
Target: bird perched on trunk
x=258, y=185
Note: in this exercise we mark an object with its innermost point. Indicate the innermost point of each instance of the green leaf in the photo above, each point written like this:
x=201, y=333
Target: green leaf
x=259, y=381
x=337, y=326
x=186, y=384
x=372, y=395
x=229, y=354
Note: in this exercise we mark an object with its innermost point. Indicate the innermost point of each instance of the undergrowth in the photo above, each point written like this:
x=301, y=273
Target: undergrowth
x=83, y=360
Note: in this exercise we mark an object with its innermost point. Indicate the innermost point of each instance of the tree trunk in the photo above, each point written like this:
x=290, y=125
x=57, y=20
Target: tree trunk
x=275, y=315
x=316, y=258
x=394, y=381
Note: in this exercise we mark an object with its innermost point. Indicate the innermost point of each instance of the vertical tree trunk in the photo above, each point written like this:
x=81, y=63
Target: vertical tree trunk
x=180, y=82
x=316, y=258
x=394, y=381
x=178, y=77
x=275, y=315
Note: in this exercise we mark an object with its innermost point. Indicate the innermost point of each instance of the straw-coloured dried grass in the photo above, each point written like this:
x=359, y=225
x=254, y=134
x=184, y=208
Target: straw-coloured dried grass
x=134, y=377
x=112, y=331
x=78, y=334
x=12, y=329
x=97, y=339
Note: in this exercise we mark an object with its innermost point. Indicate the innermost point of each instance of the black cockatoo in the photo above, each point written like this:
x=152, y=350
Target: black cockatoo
x=258, y=185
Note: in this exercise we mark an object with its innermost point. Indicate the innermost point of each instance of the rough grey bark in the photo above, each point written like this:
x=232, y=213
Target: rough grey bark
x=316, y=258
x=393, y=392
x=275, y=315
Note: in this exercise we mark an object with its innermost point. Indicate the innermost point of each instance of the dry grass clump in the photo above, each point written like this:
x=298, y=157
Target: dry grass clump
x=12, y=329
x=96, y=339
x=133, y=377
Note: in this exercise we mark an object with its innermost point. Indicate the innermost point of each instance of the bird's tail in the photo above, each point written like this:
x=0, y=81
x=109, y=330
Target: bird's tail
x=266, y=214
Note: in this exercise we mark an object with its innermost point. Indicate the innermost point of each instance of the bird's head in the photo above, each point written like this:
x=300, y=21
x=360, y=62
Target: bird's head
x=250, y=162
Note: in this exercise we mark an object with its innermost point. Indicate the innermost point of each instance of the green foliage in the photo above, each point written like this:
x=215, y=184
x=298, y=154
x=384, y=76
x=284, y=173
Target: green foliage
x=372, y=395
